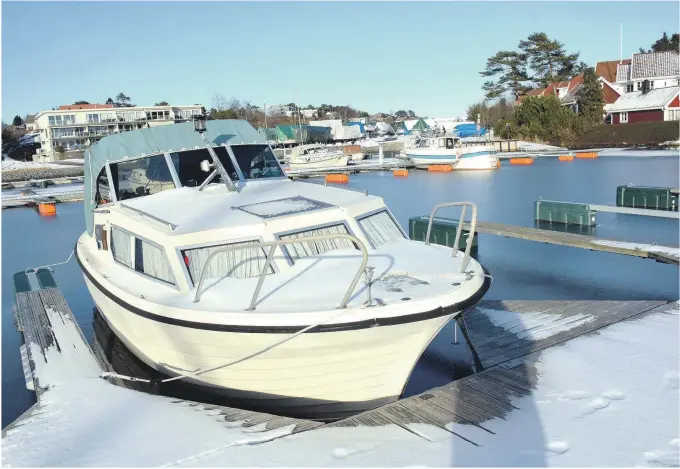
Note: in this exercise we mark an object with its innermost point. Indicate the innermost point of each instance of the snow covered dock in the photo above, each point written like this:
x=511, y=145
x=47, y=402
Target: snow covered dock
x=564, y=383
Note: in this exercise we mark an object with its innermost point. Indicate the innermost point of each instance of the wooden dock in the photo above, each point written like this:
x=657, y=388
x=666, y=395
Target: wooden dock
x=663, y=254
x=508, y=353
x=508, y=338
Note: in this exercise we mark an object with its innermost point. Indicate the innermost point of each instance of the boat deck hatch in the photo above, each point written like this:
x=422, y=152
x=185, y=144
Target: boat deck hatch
x=283, y=207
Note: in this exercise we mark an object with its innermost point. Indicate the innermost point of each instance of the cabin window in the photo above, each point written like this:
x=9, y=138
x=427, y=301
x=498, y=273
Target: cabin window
x=313, y=248
x=449, y=143
x=380, y=228
x=120, y=246
x=141, y=176
x=239, y=263
x=441, y=143
x=151, y=260
x=188, y=166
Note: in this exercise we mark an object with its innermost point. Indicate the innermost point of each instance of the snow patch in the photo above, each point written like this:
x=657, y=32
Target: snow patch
x=557, y=447
x=614, y=395
x=671, y=380
x=535, y=326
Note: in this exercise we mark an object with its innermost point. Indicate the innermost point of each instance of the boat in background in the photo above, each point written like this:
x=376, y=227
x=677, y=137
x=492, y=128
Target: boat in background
x=424, y=150
x=315, y=156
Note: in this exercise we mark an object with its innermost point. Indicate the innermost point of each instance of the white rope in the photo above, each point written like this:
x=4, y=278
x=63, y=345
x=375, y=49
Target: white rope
x=234, y=362
x=50, y=265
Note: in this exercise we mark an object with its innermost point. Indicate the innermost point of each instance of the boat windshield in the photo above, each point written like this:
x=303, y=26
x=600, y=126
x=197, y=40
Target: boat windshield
x=255, y=161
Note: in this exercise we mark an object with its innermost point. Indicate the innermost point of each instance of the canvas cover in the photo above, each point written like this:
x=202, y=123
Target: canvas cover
x=468, y=130
x=155, y=140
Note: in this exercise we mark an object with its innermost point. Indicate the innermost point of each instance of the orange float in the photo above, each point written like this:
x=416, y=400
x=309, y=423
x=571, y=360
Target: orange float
x=566, y=157
x=521, y=161
x=341, y=178
x=47, y=209
x=586, y=155
x=400, y=172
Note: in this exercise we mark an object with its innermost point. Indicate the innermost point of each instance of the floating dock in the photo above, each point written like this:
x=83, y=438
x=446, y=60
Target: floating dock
x=664, y=254
x=81, y=419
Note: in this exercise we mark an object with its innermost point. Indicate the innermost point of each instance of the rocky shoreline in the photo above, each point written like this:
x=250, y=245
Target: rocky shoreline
x=29, y=174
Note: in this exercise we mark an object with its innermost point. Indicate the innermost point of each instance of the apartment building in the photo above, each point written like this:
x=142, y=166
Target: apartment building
x=67, y=131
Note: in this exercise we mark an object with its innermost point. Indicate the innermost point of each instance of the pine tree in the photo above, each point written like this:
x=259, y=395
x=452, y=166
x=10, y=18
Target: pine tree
x=548, y=59
x=590, y=99
x=510, y=69
x=17, y=121
x=665, y=44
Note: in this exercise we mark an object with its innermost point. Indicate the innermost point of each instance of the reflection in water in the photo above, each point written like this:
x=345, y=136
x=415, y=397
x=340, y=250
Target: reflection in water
x=570, y=228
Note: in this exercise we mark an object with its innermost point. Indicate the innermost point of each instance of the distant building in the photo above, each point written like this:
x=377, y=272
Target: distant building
x=30, y=123
x=281, y=110
x=646, y=105
x=74, y=128
x=308, y=113
x=661, y=69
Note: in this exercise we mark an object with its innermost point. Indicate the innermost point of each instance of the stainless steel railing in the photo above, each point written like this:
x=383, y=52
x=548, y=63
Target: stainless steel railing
x=270, y=256
x=459, y=230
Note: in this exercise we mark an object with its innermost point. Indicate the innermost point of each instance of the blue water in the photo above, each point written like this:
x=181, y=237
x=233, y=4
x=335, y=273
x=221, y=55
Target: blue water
x=521, y=269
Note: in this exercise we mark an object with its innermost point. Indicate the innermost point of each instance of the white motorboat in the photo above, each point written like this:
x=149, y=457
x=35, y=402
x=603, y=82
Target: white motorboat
x=316, y=156
x=424, y=150
x=282, y=296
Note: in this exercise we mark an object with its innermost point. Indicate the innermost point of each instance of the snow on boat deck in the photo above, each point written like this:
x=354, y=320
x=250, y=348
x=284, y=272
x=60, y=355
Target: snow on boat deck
x=607, y=395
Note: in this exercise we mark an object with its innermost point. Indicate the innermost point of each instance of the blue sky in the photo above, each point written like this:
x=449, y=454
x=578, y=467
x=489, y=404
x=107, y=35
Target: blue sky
x=374, y=56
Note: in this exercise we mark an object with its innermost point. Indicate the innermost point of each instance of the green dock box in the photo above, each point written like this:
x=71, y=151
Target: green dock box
x=443, y=232
x=653, y=198
x=564, y=212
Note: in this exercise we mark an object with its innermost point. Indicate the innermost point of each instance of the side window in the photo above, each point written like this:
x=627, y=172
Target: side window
x=141, y=176
x=120, y=246
x=239, y=263
x=312, y=248
x=380, y=228
x=103, y=194
x=152, y=261
x=255, y=161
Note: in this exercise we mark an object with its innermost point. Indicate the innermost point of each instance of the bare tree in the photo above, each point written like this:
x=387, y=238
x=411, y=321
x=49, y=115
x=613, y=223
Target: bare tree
x=219, y=102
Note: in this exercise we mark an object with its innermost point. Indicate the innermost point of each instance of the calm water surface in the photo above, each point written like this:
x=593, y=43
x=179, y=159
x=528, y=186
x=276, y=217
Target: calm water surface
x=521, y=269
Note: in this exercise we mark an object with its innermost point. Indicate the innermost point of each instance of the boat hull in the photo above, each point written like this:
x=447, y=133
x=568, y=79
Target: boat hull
x=332, y=162
x=317, y=375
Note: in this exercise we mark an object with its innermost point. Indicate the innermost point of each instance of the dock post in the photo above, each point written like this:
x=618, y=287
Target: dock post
x=455, y=333
x=381, y=155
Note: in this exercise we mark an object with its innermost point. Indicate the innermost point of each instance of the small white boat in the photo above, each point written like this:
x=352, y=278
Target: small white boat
x=316, y=156
x=282, y=296
x=427, y=150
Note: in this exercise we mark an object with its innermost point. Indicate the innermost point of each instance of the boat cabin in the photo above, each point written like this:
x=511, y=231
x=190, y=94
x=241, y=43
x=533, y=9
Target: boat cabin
x=157, y=205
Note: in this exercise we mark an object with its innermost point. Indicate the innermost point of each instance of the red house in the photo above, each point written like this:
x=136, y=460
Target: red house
x=646, y=105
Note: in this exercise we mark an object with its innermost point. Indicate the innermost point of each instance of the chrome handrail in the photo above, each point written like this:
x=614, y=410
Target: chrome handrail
x=172, y=226
x=270, y=255
x=325, y=184
x=459, y=230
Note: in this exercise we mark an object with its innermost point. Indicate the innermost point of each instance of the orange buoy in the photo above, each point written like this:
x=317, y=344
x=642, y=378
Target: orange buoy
x=440, y=168
x=400, y=172
x=566, y=157
x=587, y=155
x=47, y=209
x=521, y=161
x=337, y=178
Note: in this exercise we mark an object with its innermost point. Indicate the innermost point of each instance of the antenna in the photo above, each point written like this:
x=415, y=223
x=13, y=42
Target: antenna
x=621, y=42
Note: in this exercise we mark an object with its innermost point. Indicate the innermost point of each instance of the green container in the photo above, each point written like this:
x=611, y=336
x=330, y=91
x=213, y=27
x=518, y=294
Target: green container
x=653, y=198
x=564, y=212
x=443, y=232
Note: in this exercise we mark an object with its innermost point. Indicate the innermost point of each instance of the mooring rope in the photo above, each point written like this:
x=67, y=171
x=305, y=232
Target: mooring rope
x=50, y=265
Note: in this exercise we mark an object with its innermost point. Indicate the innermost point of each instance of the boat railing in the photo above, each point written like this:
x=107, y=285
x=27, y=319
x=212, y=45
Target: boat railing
x=270, y=256
x=459, y=230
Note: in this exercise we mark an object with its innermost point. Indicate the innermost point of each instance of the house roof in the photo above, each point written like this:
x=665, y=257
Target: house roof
x=609, y=94
x=74, y=107
x=655, y=64
x=623, y=72
x=30, y=119
x=607, y=69
x=571, y=96
x=639, y=101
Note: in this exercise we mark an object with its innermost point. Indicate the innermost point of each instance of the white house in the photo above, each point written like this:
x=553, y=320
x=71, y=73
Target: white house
x=74, y=128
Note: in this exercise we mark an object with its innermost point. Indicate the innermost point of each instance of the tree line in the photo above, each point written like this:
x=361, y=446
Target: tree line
x=538, y=62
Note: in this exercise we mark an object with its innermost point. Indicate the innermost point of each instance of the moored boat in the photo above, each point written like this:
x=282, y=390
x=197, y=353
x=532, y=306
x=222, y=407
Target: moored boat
x=289, y=297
